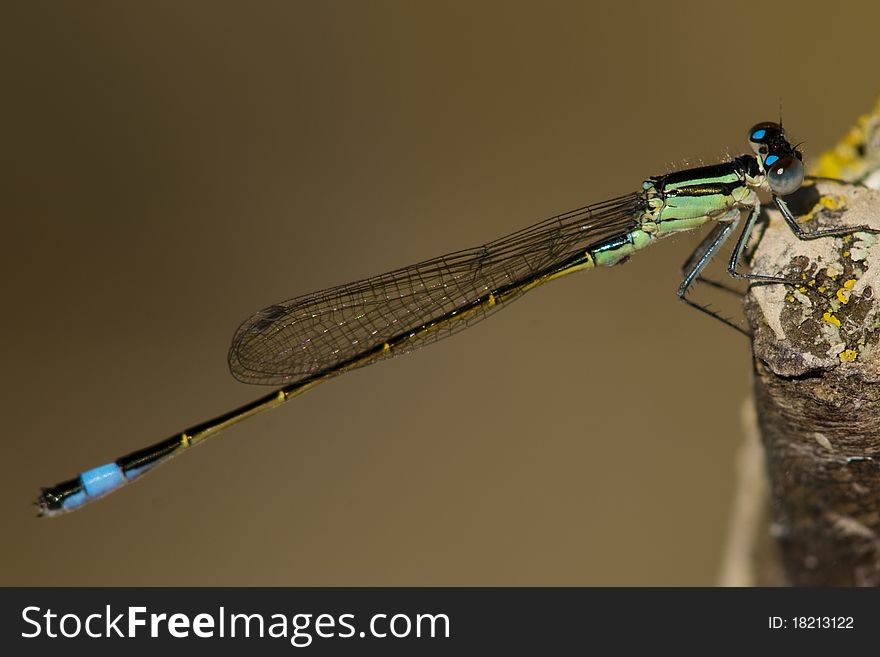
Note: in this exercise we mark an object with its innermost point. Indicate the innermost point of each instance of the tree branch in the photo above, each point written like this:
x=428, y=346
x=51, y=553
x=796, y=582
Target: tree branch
x=817, y=387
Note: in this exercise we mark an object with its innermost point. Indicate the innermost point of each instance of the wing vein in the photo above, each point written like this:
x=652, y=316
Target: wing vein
x=293, y=340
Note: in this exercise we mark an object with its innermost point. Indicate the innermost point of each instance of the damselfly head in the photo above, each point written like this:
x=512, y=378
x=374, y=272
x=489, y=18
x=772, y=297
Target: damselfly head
x=781, y=162
x=764, y=136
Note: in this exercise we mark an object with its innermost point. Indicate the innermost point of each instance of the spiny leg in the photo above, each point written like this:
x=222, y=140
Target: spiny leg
x=698, y=261
x=801, y=234
x=740, y=247
x=699, y=253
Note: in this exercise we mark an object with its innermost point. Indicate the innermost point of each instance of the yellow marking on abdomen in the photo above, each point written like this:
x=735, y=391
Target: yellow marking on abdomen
x=587, y=264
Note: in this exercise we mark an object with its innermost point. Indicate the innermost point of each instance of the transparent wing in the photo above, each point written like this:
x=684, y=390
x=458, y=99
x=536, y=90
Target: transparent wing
x=302, y=337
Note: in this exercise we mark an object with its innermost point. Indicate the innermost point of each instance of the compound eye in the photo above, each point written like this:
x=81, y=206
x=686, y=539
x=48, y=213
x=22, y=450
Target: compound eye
x=785, y=174
x=763, y=135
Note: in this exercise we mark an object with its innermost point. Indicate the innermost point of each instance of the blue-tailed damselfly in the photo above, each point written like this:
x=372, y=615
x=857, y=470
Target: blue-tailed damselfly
x=300, y=343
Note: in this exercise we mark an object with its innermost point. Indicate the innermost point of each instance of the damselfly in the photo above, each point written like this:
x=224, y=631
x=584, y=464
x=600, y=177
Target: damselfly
x=300, y=343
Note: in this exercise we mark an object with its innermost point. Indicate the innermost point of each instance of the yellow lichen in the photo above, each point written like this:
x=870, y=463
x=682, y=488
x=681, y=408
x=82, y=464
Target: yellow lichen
x=831, y=319
x=848, y=355
x=833, y=202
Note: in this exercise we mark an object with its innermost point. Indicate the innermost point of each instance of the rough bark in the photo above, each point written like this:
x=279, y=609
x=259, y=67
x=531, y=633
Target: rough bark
x=817, y=387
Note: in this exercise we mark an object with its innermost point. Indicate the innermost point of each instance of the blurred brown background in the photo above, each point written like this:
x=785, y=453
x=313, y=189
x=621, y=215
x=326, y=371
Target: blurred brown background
x=172, y=167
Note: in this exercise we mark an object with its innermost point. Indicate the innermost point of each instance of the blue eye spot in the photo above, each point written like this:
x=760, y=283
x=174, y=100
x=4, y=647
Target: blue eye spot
x=759, y=134
x=768, y=162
